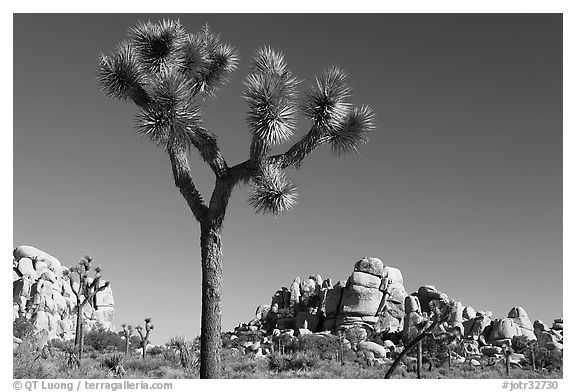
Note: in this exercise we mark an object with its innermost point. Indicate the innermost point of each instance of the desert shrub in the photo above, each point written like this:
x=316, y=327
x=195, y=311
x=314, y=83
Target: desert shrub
x=298, y=361
x=520, y=344
x=61, y=345
x=170, y=372
x=434, y=352
x=156, y=350
x=21, y=327
x=248, y=367
x=543, y=358
x=144, y=367
x=29, y=359
x=323, y=346
x=134, y=343
x=103, y=341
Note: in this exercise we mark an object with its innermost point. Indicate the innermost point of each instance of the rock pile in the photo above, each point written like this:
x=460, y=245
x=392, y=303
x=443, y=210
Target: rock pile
x=372, y=297
x=373, y=303
x=43, y=295
x=550, y=338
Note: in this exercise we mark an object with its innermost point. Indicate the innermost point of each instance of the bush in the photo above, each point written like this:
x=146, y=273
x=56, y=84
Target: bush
x=156, y=350
x=21, y=327
x=286, y=362
x=324, y=347
x=520, y=344
x=544, y=359
x=64, y=346
x=29, y=361
x=103, y=341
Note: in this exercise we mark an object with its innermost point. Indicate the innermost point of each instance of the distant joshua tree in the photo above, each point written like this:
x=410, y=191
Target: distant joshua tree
x=145, y=336
x=85, y=290
x=168, y=73
x=127, y=330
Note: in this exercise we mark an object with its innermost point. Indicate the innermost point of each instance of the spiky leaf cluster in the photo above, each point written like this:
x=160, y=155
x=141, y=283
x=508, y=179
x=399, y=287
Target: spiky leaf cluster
x=325, y=103
x=271, y=96
x=158, y=45
x=165, y=71
x=173, y=117
x=121, y=75
x=352, y=131
x=219, y=61
x=272, y=192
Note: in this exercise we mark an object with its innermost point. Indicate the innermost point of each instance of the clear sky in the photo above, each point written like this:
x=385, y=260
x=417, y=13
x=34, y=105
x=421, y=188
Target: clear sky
x=460, y=186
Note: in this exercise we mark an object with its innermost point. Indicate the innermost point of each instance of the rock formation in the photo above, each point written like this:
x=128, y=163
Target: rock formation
x=374, y=303
x=372, y=297
x=43, y=295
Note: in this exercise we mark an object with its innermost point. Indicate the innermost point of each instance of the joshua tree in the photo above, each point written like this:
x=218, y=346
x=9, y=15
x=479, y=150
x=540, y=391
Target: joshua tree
x=168, y=73
x=440, y=313
x=128, y=331
x=145, y=336
x=85, y=293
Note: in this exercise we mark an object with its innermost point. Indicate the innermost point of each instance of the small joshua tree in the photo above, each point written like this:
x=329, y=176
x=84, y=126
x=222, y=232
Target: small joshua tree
x=168, y=74
x=144, y=336
x=439, y=313
x=128, y=331
x=85, y=290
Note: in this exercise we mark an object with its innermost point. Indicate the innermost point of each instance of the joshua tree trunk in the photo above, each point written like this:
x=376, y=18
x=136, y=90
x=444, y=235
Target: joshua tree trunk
x=210, y=343
x=78, y=336
x=419, y=360
x=126, y=346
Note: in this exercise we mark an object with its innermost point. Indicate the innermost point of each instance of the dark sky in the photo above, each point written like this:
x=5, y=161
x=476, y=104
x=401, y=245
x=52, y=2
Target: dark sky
x=460, y=186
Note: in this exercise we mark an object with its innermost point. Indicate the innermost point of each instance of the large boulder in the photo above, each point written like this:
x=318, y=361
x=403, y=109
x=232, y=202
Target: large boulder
x=540, y=326
x=333, y=298
x=377, y=350
x=503, y=329
x=364, y=279
x=358, y=300
x=26, y=267
x=456, y=319
x=413, y=319
x=295, y=292
x=468, y=313
x=35, y=254
x=370, y=265
x=391, y=313
x=428, y=293
x=478, y=328
x=519, y=316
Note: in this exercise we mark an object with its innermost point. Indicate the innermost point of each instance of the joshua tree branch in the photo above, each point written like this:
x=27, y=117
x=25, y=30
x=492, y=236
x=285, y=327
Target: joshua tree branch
x=219, y=200
x=293, y=157
x=183, y=180
x=72, y=286
x=208, y=148
x=93, y=293
x=300, y=150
